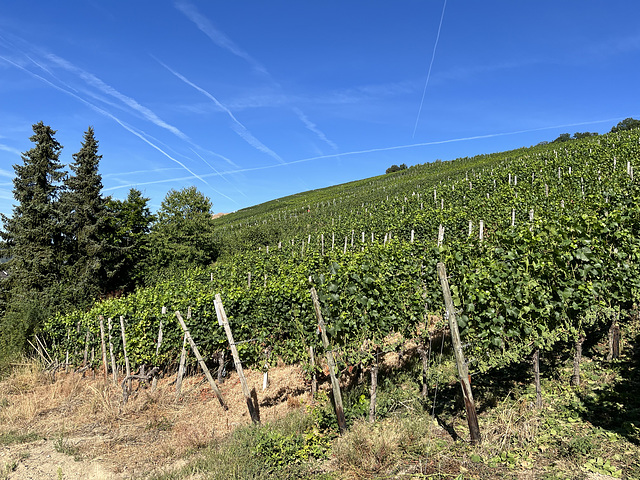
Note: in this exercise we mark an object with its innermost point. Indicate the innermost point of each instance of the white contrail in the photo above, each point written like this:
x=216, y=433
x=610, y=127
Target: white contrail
x=7, y=173
x=166, y=180
x=237, y=126
x=9, y=149
x=433, y=56
x=138, y=172
x=109, y=90
x=226, y=43
x=416, y=145
x=313, y=128
x=107, y=114
x=216, y=35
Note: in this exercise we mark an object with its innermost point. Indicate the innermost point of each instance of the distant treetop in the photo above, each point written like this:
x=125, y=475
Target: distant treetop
x=626, y=124
x=396, y=168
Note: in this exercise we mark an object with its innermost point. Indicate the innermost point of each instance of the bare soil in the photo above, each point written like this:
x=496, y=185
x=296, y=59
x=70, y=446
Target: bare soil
x=85, y=430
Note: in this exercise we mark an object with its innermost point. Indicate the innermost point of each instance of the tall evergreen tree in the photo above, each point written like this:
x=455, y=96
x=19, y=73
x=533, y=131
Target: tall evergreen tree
x=130, y=223
x=32, y=240
x=32, y=236
x=85, y=225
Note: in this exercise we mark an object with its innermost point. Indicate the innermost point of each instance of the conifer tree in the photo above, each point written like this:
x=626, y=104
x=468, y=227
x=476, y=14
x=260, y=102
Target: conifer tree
x=32, y=240
x=32, y=236
x=85, y=224
x=130, y=223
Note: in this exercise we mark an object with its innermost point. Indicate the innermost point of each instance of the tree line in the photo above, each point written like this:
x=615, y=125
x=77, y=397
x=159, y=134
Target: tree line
x=67, y=245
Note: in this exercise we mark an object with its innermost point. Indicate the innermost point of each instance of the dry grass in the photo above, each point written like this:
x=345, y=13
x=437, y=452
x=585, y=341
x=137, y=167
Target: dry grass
x=367, y=450
x=151, y=430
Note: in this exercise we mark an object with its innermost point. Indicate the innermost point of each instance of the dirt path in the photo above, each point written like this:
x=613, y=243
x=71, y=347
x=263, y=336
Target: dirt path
x=40, y=460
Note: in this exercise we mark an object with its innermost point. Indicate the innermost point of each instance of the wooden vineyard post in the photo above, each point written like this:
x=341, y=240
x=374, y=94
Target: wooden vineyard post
x=221, y=366
x=154, y=382
x=222, y=318
x=614, y=340
x=465, y=384
x=536, y=376
x=196, y=352
x=183, y=359
x=86, y=349
x=575, y=378
x=114, y=372
x=374, y=388
x=126, y=359
x=337, y=396
x=314, y=381
x=104, y=350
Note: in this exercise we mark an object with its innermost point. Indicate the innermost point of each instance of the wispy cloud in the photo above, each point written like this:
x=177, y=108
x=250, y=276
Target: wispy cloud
x=140, y=172
x=236, y=125
x=9, y=149
x=422, y=144
x=6, y=173
x=109, y=90
x=130, y=129
x=313, y=128
x=218, y=37
x=433, y=56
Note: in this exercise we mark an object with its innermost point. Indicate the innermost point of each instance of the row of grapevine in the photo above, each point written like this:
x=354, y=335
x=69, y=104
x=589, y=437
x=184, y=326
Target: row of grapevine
x=559, y=250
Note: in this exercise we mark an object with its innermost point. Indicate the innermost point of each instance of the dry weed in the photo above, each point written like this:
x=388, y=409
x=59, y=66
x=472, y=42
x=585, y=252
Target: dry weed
x=514, y=426
x=24, y=378
x=371, y=449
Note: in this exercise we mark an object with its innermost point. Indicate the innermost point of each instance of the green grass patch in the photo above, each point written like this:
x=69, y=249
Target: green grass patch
x=12, y=437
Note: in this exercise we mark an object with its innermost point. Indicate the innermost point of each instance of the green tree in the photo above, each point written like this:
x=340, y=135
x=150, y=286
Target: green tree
x=579, y=135
x=183, y=236
x=32, y=240
x=85, y=215
x=129, y=226
x=626, y=124
x=563, y=137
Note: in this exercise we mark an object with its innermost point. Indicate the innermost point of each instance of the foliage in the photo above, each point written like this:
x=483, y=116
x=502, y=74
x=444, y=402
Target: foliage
x=129, y=226
x=530, y=283
x=182, y=236
x=626, y=124
x=32, y=240
x=396, y=168
x=85, y=224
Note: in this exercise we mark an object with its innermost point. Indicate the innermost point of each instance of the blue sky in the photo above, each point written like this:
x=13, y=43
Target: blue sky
x=255, y=100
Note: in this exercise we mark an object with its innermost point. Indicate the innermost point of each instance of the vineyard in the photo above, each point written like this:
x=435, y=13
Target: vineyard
x=541, y=246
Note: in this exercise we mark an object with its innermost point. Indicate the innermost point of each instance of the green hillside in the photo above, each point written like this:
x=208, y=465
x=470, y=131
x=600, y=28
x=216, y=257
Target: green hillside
x=557, y=258
x=541, y=246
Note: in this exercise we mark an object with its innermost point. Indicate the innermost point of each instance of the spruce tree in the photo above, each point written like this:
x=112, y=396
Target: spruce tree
x=32, y=236
x=130, y=222
x=32, y=240
x=85, y=224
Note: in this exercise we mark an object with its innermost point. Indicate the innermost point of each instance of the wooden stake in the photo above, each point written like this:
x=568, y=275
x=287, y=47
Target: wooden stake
x=575, y=378
x=374, y=389
x=536, y=377
x=104, y=349
x=114, y=371
x=183, y=359
x=222, y=317
x=337, y=396
x=314, y=381
x=614, y=341
x=463, y=372
x=220, y=366
x=86, y=348
x=203, y=365
x=126, y=359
